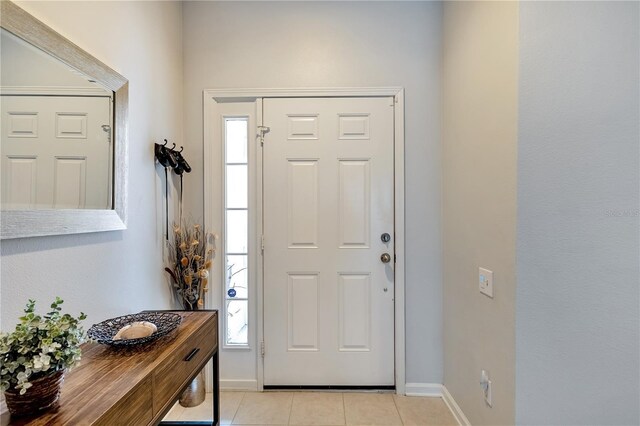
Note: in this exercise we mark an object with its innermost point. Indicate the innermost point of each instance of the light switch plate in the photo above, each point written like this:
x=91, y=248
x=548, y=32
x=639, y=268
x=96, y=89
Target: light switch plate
x=485, y=281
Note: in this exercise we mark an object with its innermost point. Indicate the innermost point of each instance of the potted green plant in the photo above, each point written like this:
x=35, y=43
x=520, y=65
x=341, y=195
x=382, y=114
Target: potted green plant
x=34, y=357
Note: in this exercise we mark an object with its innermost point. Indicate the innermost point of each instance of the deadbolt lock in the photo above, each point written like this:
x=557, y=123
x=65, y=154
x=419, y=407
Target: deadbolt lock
x=385, y=237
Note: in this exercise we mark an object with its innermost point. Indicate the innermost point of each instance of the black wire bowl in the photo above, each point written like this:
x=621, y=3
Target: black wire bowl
x=105, y=331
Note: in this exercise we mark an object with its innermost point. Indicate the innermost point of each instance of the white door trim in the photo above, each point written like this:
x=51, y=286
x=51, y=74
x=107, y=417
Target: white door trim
x=297, y=92
x=212, y=96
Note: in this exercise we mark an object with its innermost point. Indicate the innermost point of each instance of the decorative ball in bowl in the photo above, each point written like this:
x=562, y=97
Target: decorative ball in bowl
x=134, y=329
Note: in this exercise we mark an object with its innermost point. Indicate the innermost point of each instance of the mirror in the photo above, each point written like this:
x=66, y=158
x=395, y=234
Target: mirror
x=63, y=134
x=56, y=139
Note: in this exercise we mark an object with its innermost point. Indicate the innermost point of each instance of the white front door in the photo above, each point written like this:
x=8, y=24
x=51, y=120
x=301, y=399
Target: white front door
x=328, y=196
x=55, y=152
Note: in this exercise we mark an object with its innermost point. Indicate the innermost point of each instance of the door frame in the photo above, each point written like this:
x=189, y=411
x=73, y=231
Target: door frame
x=212, y=145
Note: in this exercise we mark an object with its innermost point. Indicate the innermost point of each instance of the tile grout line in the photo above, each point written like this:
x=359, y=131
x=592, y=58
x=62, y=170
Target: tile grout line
x=344, y=409
x=235, y=413
x=395, y=404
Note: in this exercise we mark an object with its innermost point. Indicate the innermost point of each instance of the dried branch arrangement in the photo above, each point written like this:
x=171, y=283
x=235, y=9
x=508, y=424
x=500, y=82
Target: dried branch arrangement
x=191, y=256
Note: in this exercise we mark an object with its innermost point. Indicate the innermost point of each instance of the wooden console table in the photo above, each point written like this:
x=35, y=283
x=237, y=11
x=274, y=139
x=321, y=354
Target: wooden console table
x=137, y=386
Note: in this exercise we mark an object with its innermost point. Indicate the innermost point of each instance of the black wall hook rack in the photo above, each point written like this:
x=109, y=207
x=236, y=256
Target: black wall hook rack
x=169, y=158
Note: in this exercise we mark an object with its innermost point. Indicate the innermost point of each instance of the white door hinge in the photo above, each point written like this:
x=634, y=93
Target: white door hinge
x=107, y=129
x=262, y=244
x=262, y=130
x=262, y=349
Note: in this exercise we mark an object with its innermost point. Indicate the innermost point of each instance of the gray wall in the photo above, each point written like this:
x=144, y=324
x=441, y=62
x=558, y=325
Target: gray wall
x=22, y=64
x=479, y=136
x=323, y=44
x=578, y=201
x=110, y=273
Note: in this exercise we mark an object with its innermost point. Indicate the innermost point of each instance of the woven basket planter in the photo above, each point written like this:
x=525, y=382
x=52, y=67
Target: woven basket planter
x=42, y=395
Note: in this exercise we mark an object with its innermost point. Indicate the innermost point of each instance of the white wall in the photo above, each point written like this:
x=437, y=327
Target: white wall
x=323, y=44
x=480, y=127
x=110, y=273
x=577, y=325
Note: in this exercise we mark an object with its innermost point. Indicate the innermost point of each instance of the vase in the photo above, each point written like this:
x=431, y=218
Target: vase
x=42, y=395
x=194, y=394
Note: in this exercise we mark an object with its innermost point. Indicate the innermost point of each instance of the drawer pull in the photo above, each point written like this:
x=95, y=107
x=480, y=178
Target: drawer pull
x=192, y=354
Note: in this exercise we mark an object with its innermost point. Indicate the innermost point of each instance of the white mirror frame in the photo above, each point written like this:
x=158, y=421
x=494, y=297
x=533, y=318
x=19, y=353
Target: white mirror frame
x=34, y=223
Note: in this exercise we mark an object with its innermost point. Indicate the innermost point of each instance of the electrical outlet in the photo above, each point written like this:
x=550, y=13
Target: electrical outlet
x=485, y=384
x=485, y=282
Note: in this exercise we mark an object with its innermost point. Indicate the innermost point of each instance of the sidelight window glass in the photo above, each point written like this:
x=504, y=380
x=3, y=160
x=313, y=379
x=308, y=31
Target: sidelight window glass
x=236, y=294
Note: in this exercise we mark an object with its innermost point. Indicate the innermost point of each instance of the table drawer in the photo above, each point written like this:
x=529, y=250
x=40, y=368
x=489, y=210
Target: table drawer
x=175, y=373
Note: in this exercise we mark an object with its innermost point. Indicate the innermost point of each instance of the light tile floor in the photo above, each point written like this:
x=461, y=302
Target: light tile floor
x=319, y=408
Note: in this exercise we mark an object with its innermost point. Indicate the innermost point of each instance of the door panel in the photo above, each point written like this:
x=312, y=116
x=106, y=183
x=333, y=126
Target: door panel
x=355, y=312
x=303, y=312
x=328, y=197
x=354, y=203
x=302, y=203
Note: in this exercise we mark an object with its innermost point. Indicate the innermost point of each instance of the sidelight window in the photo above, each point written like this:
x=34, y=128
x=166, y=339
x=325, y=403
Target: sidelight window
x=236, y=295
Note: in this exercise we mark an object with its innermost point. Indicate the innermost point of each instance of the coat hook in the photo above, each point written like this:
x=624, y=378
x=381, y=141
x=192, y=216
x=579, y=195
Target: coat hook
x=181, y=148
x=165, y=142
x=174, y=145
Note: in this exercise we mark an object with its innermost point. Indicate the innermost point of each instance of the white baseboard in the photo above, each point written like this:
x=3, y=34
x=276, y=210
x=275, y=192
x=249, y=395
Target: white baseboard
x=238, y=385
x=423, y=389
x=454, y=407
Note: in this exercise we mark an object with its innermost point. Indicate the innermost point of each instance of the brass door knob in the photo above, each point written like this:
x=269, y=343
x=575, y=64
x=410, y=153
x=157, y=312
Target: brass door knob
x=385, y=258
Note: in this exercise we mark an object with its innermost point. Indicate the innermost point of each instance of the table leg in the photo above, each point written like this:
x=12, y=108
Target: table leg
x=216, y=388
